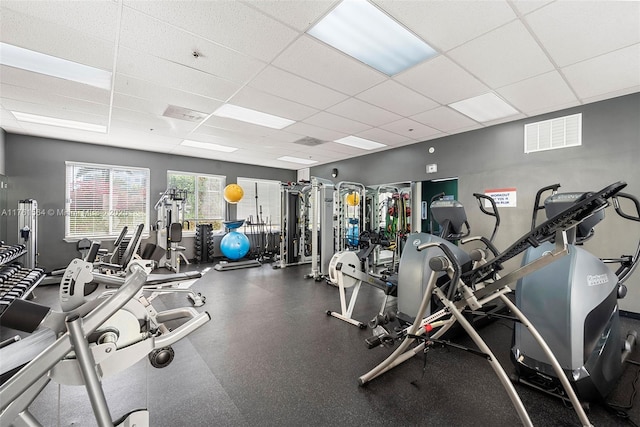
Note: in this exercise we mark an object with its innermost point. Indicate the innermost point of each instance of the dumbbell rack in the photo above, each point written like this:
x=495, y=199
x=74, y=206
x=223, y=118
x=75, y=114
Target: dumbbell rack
x=204, y=243
x=16, y=282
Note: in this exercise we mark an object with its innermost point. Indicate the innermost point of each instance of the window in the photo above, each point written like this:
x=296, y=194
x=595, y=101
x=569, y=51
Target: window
x=205, y=202
x=102, y=199
x=268, y=201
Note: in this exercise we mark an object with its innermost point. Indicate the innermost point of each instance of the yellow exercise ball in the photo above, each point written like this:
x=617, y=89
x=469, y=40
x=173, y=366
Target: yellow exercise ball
x=233, y=193
x=353, y=199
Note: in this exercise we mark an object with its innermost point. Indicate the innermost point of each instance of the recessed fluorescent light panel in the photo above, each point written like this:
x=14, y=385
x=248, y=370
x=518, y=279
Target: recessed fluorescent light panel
x=14, y=56
x=252, y=116
x=364, y=32
x=52, y=121
x=362, y=143
x=297, y=160
x=484, y=108
x=208, y=146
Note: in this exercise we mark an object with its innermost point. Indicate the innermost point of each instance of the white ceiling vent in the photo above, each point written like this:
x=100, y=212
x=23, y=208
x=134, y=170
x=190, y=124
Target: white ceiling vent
x=561, y=132
x=184, y=113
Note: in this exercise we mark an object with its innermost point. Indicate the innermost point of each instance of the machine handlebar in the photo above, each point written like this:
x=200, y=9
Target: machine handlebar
x=494, y=211
x=618, y=208
x=453, y=262
x=536, y=205
x=564, y=220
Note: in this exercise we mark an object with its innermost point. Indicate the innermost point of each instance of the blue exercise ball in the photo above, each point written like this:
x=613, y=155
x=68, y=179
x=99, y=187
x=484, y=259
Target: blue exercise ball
x=353, y=235
x=234, y=245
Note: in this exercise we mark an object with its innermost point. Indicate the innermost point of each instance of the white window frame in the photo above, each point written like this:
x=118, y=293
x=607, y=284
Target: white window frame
x=196, y=175
x=273, y=222
x=110, y=212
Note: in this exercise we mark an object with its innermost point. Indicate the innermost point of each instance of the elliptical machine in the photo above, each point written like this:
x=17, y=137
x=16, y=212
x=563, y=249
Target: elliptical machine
x=414, y=270
x=573, y=304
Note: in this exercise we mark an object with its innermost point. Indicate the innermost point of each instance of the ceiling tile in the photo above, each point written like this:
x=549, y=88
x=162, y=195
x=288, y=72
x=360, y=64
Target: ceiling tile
x=52, y=100
x=244, y=128
x=442, y=80
x=47, y=84
x=410, y=129
x=172, y=75
x=152, y=123
x=445, y=119
x=361, y=111
x=251, y=98
x=158, y=97
x=142, y=140
x=607, y=73
x=324, y=65
x=334, y=147
x=56, y=132
x=57, y=111
x=231, y=24
x=143, y=33
x=306, y=129
x=545, y=91
x=96, y=18
x=503, y=56
x=505, y=120
x=447, y=24
x=336, y=123
x=574, y=31
x=221, y=136
x=298, y=14
x=525, y=7
x=286, y=85
x=395, y=97
x=53, y=39
x=382, y=136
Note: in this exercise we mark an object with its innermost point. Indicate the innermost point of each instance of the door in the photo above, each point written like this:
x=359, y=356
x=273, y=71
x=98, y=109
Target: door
x=429, y=189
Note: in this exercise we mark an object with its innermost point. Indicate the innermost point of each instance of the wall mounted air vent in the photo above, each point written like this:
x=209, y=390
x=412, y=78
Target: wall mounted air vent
x=551, y=134
x=311, y=142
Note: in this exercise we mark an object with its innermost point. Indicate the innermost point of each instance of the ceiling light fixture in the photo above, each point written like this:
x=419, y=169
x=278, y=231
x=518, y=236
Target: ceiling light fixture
x=252, y=116
x=208, y=146
x=364, y=32
x=17, y=57
x=53, y=121
x=297, y=160
x=484, y=108
x=361, y=143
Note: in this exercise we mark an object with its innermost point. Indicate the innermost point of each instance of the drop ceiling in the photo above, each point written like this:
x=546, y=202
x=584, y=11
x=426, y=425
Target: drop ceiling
x=538, y=56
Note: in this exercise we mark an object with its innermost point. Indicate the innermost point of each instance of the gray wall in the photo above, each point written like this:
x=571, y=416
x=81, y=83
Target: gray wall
x=2, y=161
x=494, y=158
x=36, y=169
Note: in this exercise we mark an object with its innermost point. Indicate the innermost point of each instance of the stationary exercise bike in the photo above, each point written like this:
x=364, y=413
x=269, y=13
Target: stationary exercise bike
x=574, y=305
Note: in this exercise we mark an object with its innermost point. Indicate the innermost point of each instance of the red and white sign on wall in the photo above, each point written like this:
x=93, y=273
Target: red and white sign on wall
x=504, y=197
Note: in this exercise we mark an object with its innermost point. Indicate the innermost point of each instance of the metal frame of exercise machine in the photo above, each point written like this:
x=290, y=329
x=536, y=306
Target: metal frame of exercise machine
x=85, y=348
x=321, y=219
x=28, y=231
x=296, y=235
x=461, y=296
x=170, y=208
x=349, y=221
